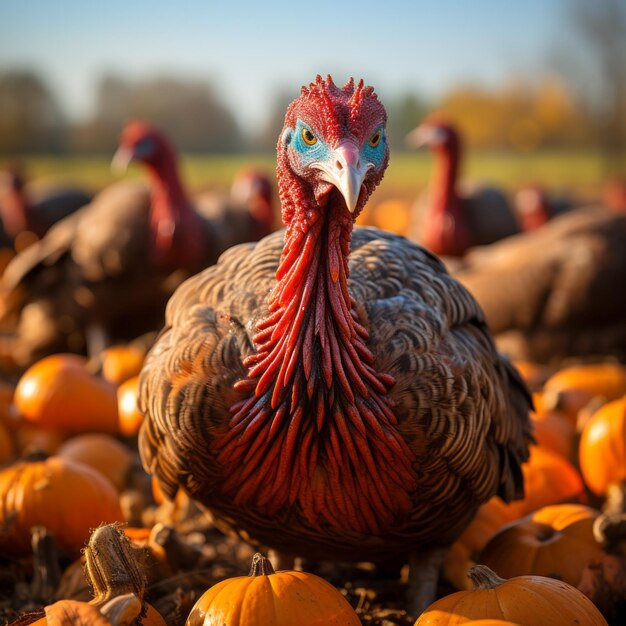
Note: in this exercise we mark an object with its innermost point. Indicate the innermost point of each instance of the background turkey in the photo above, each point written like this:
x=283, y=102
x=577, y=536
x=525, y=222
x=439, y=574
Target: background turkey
x=105, y=273
x=555, y=292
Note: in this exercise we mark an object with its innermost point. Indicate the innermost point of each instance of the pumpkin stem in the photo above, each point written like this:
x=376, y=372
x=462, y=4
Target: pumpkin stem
x=261, y=566
x=46, y=570
x=112, y=567
x=484, y=578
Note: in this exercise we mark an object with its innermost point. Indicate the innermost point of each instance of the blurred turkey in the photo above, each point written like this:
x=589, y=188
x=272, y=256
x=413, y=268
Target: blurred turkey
x=331, y=392
x=450, y=220
x=534, y=206
x=556, y=292
x=105, y=273
x=31, y=209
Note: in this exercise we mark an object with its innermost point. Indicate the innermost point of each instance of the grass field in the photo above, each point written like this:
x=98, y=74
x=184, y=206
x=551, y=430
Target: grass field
x=575, y=172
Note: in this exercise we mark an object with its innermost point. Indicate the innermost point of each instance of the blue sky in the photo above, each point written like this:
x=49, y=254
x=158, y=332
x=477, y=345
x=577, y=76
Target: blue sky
x=252, y=50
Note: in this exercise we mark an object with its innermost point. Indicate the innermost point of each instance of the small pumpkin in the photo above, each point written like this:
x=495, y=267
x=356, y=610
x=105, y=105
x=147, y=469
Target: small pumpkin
x=66, y=497
x=489, y=518
x=267, y=597
x=533, y=374
x=130, y=419
x=555, y=541
x=105, y=454
x=553, y=431
x=572, y=388
x=59, y=392
x=602, y=448
x=549, y=478
x=119, y=363
x=527, y=600
x=7, y=445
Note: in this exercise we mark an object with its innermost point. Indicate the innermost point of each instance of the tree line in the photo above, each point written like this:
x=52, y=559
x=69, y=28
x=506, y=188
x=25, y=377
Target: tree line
x=580, y=102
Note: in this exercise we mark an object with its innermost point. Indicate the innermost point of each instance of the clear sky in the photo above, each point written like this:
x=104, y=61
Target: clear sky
x=251, y=50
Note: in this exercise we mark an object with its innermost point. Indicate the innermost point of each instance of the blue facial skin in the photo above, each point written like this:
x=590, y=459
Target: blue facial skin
x=320, y=152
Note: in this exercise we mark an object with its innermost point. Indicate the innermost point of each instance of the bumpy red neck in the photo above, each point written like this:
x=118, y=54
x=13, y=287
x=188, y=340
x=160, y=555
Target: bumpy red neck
x=177, y=239
x=445, y=229
x=317, y=429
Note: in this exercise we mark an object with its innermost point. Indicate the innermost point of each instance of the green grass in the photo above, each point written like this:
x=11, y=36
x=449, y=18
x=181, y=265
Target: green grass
x=408, y=174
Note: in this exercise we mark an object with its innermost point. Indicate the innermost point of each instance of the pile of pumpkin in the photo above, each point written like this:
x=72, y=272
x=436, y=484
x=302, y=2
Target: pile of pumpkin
x=69, y=465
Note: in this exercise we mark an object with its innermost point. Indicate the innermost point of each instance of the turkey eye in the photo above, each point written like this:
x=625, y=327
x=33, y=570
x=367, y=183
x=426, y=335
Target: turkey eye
x=374, y=139
x=309, y=138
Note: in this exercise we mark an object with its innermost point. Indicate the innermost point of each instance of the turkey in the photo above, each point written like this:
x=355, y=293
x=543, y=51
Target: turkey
x=449, y=221
x=105, y=273
x=555, y=292
x=33, y=208
x=331, y=392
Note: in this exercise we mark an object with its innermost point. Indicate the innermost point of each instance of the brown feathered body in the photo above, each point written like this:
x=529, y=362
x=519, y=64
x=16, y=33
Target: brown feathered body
x=329, y=392
x=459, y=406
x=555, y=292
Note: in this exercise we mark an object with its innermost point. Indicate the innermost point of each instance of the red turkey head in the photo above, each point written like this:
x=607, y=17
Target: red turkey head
x=435, y=133
x=142, y=142
x=333, y=139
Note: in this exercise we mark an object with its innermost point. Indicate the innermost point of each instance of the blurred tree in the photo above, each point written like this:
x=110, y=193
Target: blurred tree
x=594, y=62
x=30, y=118
x=404, y=113
x=189, y=111
x=266, y=139
x=521, y=115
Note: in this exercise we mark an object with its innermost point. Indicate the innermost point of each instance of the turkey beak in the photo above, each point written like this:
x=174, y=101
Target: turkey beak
x=424, y=135
x=121, y=160
x=346, y=172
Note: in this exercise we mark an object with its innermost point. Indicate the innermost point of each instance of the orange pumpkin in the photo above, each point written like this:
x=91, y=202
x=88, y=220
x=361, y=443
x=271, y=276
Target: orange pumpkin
x=534, y=374
x=130, y=418
x=102, y=452
x=75, y=613
x=7, y=446
x=553, y=431
x=277, y=598
x=31, y=438
x=119, y=363
x=555, y=541
x=7, y=412
x=572, y=388
x=66, y=497
x=491, y=622
x=489, y=518
x=602, y=448
x=59, y=392
x=527, y=600
x=549, y=478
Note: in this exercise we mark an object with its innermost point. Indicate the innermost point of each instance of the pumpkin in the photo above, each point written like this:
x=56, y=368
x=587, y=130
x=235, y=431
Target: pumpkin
x=120, y=611
x=129, y=417
x=553, y=431
x=393, y=215
x=31, y=439
x=60, y=392
x=7, y=412
x=102, y=452
x=7, y=445
x=66, y=497
x=572, y=388
x=555, y=541
x=491, y=622
x=549, y=478
x=279, y=598
x=533, y=374
x=119, y=363
x=527, y=600
x=489, y=518
x=602, y=448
